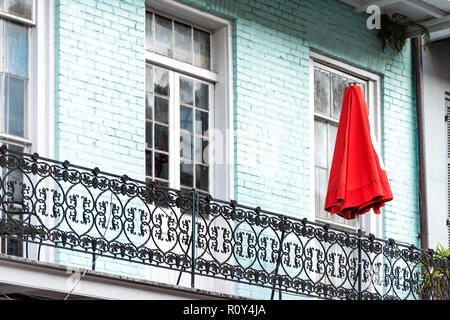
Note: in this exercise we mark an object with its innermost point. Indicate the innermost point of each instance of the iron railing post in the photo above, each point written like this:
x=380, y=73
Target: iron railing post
x=359, y=265
x=193, y=241
x=282, y=228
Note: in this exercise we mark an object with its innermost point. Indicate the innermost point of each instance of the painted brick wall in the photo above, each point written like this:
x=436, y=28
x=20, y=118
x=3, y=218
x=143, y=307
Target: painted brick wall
x=100, y=87
x=100, y=93
x=272, y=41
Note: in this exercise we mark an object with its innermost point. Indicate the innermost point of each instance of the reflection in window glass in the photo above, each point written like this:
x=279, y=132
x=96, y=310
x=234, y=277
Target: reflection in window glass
x=14, y=106
x=161, y=84
x=322, y=91
x=183, y=43
x=148, y=31
x=17, y=49
x=178, y=40
x=338, y=87
x=202, y=49
x=163, y=36
x=21, y=8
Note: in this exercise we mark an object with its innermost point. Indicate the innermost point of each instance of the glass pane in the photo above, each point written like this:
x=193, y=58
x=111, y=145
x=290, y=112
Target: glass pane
x=148, y=78
x=186, y=91
x=320, y=192
x=320, y=144
x=322, y=91
x=186, y=174
x=17, y=49
x=2, y=5
x=21, y=8
x=183, y=42
x=161, y=166
x=186, y=146
x=201, y=49
x=201, y=122
x=201, y=95
x=186, y=121
x=161, y=138
x=338, y=85
x=332, y=131
x=148, y=163
x=149, y=106
x=202, y=177
x=163, y=36
x=201, y=150
x=14, y=106
x=148, y=135
x=161, y=110
x=148, y=31
x=162, y=82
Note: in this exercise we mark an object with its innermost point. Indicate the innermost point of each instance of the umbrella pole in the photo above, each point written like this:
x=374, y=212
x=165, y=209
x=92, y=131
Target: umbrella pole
x=282, y=227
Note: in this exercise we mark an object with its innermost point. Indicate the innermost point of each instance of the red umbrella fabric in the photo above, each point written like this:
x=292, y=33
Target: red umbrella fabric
x=358, y=182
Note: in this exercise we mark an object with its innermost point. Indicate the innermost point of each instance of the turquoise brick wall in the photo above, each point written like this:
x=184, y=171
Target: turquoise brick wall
x=100, y=97
x=100, y=76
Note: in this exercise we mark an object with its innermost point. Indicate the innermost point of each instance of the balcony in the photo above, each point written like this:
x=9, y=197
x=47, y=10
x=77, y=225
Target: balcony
x=52, y=211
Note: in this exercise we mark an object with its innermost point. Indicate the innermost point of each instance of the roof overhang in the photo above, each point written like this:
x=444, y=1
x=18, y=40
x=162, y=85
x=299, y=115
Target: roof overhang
x=434, y=14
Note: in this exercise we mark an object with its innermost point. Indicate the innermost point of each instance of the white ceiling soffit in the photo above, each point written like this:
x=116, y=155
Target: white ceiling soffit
x=434, y=14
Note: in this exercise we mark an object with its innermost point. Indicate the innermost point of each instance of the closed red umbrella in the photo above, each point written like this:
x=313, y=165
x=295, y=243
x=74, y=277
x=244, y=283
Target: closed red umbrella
x=358, y=181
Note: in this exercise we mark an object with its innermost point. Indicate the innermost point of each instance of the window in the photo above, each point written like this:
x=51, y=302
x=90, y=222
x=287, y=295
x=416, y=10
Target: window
x=329, y=83
x=16, y=21
x=179, y=104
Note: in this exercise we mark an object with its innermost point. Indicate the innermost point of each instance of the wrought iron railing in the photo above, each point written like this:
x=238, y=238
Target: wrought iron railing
x=52, y=204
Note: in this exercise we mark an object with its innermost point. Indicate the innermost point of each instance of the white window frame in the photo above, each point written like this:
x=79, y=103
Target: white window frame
x=221, y=75
x=370, y=222
x=40, y=100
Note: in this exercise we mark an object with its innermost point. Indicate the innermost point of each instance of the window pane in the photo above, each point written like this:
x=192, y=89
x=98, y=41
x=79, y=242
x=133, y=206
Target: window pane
x=201, y=150
x=186, y=91
x=338, y=85
x=149, y=135
x=201, y=95
x=320, y=192
x=161, y=138
x=161, y=166
x=186, y=146
x=322, y=91
x=183, y=42
x=163, y=36
x=186, y=121
x=162, y=82
x=332, y=132
x=21, y=8
x=161, y=110
x=14, y=106
x=201, y=49
x=17, y=49
x=148, y=31
x=148, y=163
x=2, y=5
x=201, y=122
x=186, y=174
x=149, y=106
x=202, y=177
x=148, y=78
x=320, y=144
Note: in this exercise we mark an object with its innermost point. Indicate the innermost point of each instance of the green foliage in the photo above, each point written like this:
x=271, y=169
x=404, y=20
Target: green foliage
x=436, y=279
x=395, y=31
